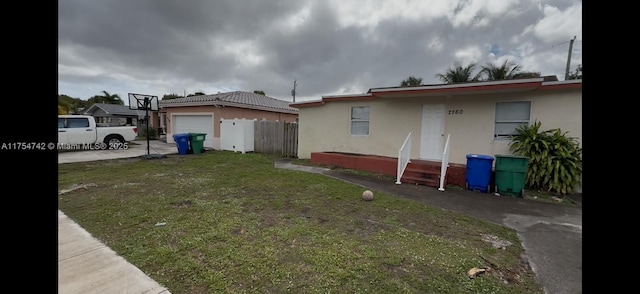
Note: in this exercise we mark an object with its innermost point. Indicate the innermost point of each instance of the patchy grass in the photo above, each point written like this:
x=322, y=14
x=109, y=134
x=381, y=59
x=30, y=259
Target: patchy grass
x=225, y=222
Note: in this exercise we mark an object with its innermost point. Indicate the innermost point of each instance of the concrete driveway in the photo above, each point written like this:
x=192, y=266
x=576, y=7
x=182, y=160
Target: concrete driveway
x=134, y=149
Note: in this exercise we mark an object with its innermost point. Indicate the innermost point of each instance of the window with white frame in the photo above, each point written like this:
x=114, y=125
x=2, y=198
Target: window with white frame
x=509, y=116
x=360, y=120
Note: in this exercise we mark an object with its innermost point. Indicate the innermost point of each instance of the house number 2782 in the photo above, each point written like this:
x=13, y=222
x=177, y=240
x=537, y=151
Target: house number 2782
x=455, y=111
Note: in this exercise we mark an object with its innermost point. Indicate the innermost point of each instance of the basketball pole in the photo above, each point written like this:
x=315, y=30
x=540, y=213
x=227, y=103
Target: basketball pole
x=147, y=104
x=137, y=102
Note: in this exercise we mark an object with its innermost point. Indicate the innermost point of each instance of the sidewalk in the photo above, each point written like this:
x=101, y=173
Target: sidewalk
x=85, y=265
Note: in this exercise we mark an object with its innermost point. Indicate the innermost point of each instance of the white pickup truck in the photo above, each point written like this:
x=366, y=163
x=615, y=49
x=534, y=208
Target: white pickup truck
x=81, y=132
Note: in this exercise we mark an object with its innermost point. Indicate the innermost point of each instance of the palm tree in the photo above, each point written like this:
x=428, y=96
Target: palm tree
x=506, y=71
x=411, y=81
x=459, y=74
x=111, y=99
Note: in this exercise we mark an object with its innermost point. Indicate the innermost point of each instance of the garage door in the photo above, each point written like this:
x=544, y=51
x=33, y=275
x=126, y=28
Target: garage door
x=195, y=124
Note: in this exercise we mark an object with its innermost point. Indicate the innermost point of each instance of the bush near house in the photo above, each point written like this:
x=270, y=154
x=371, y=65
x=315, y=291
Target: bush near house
x=142, y=132
x=555, y=159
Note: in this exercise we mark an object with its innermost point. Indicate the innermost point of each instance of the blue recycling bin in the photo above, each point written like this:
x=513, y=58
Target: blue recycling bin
x=478, y=176
x=182, y=142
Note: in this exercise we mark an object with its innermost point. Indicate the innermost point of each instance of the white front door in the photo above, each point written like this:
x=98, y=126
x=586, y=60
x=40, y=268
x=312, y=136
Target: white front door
x=432, y=133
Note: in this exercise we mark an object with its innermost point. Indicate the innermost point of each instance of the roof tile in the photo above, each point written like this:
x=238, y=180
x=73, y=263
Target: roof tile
x=236, y=97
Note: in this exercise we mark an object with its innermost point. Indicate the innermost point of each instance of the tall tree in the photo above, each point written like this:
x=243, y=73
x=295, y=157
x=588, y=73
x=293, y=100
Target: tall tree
x=71, y=105
x=106, y=98
x=62, y=109
x=170, y=96
x=259, y=92
x=505, y=71
x=411, y=81
x=196, y=94
x=112, y=98
x=460, y=74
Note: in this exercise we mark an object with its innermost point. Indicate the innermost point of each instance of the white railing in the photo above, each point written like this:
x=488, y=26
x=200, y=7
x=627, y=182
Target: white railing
x=404, y=157
x=445, y=163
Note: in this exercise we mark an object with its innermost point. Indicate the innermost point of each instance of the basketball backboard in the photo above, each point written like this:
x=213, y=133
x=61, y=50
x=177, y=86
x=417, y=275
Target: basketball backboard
x=143, y=102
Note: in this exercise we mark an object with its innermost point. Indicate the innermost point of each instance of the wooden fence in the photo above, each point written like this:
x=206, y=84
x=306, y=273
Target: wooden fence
x=274, y=137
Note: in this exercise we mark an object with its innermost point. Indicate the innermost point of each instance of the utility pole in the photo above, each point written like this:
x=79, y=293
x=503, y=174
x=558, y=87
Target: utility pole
x=566, y=73
x=293, y=92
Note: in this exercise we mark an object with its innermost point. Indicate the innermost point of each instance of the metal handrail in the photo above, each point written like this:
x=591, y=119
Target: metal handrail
x=404, y=157
x=445, y=163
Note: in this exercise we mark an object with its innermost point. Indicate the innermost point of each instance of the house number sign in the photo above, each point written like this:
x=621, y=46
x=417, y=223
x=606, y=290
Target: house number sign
x=455, y=111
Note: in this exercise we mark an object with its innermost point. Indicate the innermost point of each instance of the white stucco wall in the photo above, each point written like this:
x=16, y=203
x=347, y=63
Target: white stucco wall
x=327, y=127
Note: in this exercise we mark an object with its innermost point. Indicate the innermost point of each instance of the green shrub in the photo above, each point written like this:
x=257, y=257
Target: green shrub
x=555, y=159
x=142, y=132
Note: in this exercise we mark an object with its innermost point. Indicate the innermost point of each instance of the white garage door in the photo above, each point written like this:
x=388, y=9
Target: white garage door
x=195, y=124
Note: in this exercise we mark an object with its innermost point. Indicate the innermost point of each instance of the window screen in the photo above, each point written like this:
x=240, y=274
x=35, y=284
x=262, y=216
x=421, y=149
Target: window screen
x=509, y=116
x=360, y=120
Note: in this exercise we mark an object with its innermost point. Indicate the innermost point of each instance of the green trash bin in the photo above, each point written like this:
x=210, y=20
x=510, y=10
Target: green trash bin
x=197, y=142
x=511, y=174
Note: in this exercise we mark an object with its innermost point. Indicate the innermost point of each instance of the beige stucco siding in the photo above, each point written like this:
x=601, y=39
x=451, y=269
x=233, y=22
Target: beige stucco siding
x=328, y=128
x=469, y=119
x=561, y=110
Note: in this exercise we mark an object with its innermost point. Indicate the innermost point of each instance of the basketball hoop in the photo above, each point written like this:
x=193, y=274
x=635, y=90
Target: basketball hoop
x=146, y=103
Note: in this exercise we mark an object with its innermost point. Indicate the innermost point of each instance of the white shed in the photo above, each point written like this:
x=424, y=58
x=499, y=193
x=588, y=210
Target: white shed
x=236, y=135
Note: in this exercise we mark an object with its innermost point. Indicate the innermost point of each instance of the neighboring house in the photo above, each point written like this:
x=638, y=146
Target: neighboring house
x=116, y=115
x=203, y=114
x=480, y=118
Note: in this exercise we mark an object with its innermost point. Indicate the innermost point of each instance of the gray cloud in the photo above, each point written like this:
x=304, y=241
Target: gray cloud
x=331, y=47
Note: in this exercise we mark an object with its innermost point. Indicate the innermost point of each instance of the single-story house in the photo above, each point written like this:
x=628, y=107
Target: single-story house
x=116, y=115
x=203, y=113
x=456, y=119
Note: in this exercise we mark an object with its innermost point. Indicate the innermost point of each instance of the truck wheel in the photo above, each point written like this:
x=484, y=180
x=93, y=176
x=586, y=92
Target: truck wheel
x=113, y=140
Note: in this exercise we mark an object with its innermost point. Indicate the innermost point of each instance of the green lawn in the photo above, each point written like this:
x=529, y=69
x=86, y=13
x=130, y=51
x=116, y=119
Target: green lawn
x=225, y=222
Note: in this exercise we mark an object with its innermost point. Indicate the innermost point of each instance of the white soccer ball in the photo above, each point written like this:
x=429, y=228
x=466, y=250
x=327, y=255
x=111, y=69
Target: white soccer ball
x=367, y=195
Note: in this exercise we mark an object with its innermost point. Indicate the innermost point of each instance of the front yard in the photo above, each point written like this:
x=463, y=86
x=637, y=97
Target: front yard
x=224, y=222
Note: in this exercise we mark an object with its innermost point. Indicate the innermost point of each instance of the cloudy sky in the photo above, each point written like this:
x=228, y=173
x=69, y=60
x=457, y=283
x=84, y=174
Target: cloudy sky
x=330, y=47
